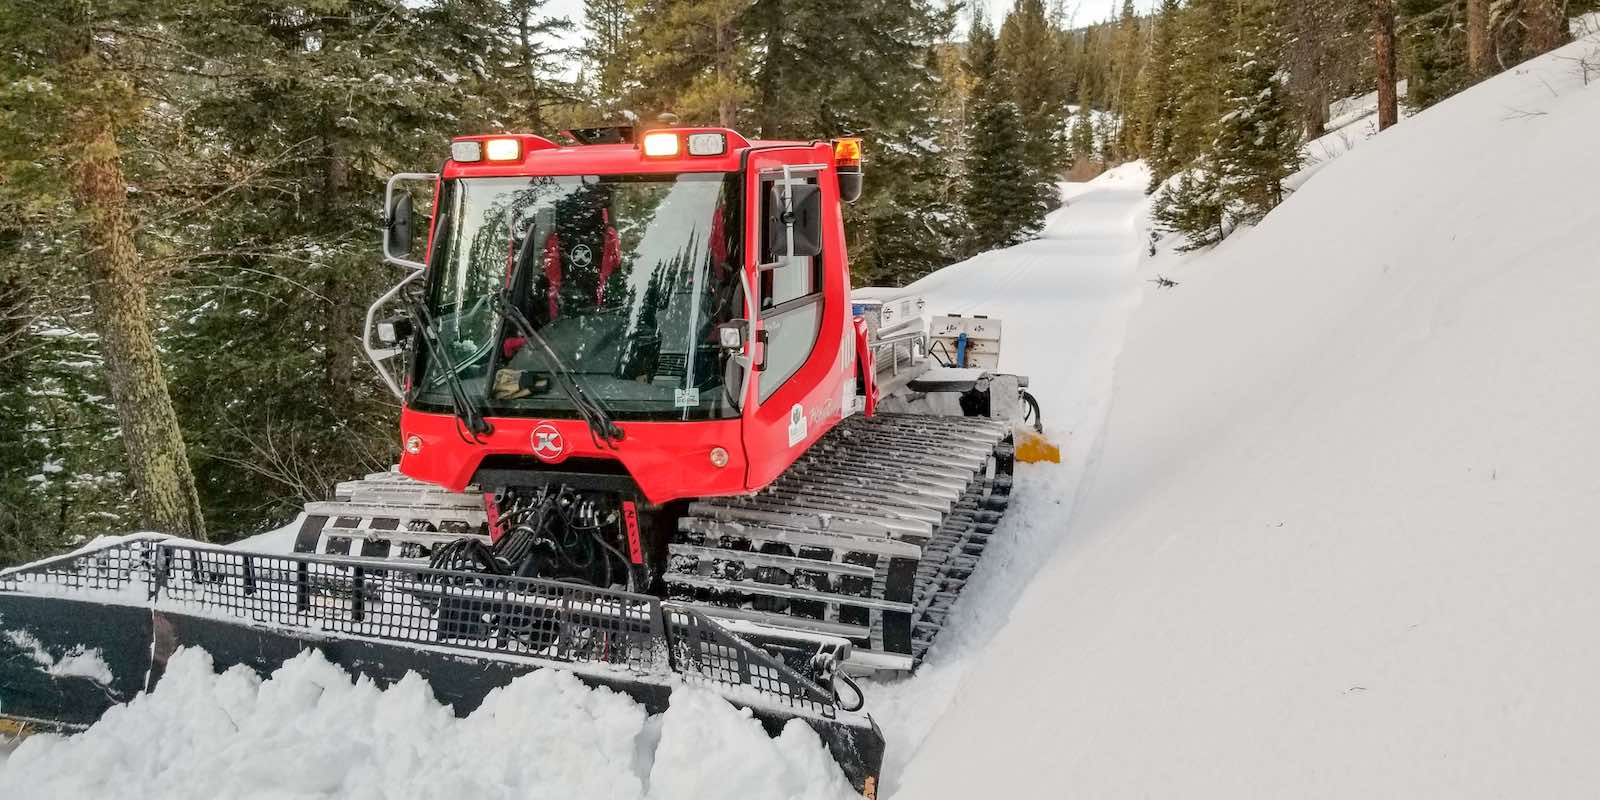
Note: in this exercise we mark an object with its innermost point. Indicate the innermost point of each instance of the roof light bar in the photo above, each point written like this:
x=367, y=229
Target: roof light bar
x=503, y=150
x=660, y=144
x=466, y=152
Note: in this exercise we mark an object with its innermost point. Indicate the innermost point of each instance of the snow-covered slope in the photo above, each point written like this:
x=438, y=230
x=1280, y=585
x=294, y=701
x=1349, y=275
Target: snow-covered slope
x=1343, y=535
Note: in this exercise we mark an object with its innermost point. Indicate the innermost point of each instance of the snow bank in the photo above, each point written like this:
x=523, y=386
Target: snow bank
x=310, y=732
x=1340, y=539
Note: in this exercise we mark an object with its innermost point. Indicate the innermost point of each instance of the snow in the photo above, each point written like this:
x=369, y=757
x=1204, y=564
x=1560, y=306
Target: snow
x=80, y=662
x=1337, y=536
x=202, y=735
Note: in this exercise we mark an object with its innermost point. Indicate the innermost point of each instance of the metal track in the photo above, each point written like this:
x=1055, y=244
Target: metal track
x=388, y=516
x=871, y=535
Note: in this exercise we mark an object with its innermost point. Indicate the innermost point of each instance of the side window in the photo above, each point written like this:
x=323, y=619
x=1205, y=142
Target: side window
x=791, y=308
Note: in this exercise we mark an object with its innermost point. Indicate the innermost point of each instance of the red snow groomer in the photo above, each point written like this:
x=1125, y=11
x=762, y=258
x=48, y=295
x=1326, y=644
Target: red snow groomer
x=648, y=436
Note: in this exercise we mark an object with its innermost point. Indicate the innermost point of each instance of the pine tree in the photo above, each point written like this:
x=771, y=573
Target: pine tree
x=1254, y=143
x=1084, y=139
x=1001, y=208
x=1158, y=96
x=1257, y=142
x=1435, y=49
x=1324, y=56
x=694, y=60
x=1205, y=40
x=73, y=101
x=308, y=117
x=1028, y=64
x=609, y=50
x=1128, y=132
x=1192, y=204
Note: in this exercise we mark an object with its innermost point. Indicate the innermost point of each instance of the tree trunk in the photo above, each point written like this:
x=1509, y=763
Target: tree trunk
x=158, y=462
x=1478, y=37
x=1547, y=26
x=725, y=107
x=770, y=74
x=1388, y=100
x=342, y=324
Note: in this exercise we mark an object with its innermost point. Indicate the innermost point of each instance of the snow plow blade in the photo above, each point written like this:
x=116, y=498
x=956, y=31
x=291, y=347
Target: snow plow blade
x=83, y=632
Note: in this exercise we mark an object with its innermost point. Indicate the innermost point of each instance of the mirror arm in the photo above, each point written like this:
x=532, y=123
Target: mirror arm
x=788, y=212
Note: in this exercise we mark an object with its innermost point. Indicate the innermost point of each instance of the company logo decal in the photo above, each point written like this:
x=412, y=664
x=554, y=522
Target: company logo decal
x=548, y=443
x=582, y=256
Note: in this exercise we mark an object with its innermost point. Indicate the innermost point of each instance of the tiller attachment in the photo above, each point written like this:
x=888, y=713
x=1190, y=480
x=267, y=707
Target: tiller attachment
x=85, y=631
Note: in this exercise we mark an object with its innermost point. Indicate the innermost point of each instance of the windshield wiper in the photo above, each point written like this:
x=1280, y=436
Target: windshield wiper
x=601, y=427
x=466, y=412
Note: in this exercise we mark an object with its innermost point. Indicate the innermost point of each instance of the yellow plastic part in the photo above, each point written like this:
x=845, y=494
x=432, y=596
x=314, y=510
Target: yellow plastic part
x=1033, y=448
x=14, y=728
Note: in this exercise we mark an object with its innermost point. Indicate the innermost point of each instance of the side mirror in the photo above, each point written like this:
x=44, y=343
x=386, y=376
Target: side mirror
x=794, y=221
x=398, y=227
x=398, y=213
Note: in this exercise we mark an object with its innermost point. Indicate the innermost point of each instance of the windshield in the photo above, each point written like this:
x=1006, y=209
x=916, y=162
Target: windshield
x=624, y=277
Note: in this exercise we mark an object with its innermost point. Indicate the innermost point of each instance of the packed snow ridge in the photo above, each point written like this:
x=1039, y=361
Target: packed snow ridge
x=310, y=731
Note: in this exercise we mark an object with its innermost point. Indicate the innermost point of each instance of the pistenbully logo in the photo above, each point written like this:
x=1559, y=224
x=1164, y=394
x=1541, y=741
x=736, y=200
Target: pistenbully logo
x=582, y=256
x=548, y=443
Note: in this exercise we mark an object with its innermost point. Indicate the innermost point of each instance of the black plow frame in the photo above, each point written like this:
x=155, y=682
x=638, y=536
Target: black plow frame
x=129, y=605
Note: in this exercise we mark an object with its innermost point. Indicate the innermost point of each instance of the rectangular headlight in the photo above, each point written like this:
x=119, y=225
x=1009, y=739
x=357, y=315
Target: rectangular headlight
x=466, y=151
x=707, y=144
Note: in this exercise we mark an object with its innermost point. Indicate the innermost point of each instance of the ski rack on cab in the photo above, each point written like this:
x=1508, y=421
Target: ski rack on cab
x=119, y=612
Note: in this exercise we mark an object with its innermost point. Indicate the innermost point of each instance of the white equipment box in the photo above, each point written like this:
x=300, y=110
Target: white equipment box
x=966, y=341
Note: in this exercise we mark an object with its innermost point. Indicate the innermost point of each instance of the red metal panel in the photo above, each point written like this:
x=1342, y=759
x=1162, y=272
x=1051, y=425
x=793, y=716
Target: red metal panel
x=669, y=460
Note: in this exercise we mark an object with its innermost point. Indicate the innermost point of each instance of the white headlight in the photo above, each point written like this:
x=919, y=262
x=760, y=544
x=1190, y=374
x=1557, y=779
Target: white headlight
x=466, y=151
x=707, y=144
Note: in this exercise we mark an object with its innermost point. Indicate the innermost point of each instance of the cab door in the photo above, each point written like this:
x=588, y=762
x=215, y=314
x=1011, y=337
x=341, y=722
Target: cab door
x=803, y=381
